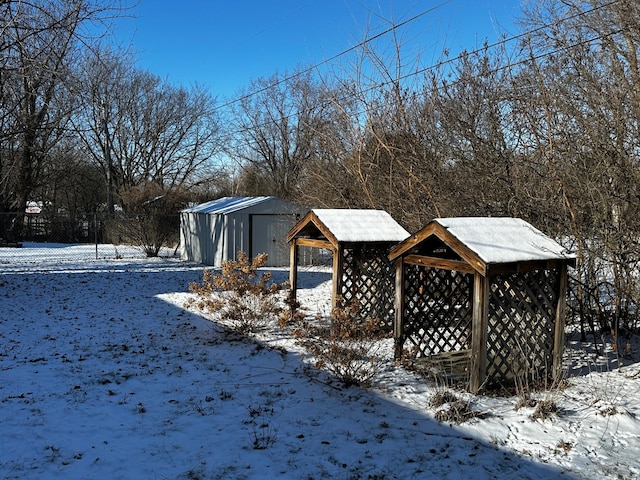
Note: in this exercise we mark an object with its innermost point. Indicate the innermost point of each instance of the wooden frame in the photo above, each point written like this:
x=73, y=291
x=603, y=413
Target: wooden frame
x=348, y=262
x=419, y=251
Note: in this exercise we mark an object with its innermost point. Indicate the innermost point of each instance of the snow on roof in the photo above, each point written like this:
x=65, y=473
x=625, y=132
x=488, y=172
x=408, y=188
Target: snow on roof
x=352, y=225
x=226, y=205
x=503, y=239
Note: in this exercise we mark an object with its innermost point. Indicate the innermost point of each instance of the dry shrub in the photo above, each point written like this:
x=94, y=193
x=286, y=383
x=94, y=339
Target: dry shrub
x=293, y=313
x=347, y=346
x=247, y=299
x=544, y=409
x=525, y=401
x=442, y=397
x=457, y=412
x=455, y=409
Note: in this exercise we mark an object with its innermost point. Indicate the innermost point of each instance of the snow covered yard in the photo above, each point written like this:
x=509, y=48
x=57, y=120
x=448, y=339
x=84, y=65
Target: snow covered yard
x=104, y=374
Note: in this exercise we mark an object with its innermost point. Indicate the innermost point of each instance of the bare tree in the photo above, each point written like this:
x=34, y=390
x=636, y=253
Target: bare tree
x=386, y=157
x=273, y=133
x=142, y=130
x=583, y=116
x=40, y=39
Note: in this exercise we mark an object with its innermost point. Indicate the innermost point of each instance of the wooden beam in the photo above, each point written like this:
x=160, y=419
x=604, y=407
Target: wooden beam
x=322, y=228
x=517, y=267
x=443, y=234
x=312, y=219
x=411, y=242
x=293, y=267
x=441, y=263
x=558, y=342
x=338, y=264
x=315, y=243
x=398, y=323
x=461, y=249
x=479, y=332
x=299, y=226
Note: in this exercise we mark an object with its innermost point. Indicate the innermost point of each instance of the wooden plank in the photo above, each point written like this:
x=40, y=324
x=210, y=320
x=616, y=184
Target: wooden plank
x=328, y=234
x=479, y=332
x=558, y=343
x=454, y=364
x=461, y=249
x=411, y=242
x=398, y=324
x=312, y=242
x=312, y=218
x=298, y=227
x=441, y=263
x=293, y=268
x=444, y=236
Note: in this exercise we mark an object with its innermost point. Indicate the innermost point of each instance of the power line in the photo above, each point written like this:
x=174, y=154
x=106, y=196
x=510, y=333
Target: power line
x=338, y=55
x=460, y=56
x=511, y=39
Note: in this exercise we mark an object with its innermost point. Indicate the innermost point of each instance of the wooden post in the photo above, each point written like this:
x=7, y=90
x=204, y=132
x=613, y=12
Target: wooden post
x=293, y=267
x=338, y=263
x=479, y=332
x=398, y=323
x=558, y=343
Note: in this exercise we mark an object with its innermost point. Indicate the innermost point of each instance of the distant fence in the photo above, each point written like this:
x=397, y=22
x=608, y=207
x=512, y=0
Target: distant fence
x=63, y=236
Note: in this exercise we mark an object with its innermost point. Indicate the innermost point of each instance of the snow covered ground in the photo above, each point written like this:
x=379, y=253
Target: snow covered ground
x=104, y=374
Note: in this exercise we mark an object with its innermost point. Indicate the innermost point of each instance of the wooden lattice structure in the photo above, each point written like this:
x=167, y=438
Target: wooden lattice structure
x=360, y=241
x=482, y=298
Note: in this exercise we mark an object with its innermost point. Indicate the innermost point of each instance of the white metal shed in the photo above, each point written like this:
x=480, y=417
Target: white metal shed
x=215, y=231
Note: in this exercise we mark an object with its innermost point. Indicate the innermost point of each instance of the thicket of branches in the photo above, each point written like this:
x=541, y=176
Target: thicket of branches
x=543, y=127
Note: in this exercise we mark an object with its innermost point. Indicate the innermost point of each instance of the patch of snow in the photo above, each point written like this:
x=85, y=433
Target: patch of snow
x=504, y=239
x=105, y=374
x=354, y=225
x=226, y=205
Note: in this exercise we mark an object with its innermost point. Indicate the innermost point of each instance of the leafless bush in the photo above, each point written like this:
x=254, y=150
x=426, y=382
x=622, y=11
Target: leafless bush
x=452, y=408
x=347, y=347
x=442, y=397
x=241, y=295
x=545, y=409
x=293, y=313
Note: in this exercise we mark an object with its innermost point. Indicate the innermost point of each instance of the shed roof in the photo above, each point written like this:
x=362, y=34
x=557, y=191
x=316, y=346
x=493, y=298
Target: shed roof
x=504, y=239
x=353, y=225
x=226, y=205
x=489, y=240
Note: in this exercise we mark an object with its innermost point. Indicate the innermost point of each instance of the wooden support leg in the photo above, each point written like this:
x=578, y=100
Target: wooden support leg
x=398, y=324
x=479, y=332
x=293, y=268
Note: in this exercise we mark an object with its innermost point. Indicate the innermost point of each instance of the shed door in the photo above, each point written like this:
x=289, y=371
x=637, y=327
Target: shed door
x=268, y=235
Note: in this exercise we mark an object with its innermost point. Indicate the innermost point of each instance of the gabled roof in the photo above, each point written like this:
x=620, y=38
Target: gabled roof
x=350, y=226
x=227, y=205
x=481, y=241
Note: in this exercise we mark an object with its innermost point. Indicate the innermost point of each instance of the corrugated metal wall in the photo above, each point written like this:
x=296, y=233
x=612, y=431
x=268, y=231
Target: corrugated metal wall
x=211, y=239
x=201, y=238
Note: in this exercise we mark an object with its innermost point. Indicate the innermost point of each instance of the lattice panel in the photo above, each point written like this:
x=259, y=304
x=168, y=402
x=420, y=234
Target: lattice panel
x=438, y=310
x=369, y=278
x=521, y=325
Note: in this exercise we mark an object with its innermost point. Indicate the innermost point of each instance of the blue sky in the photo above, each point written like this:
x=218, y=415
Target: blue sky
x=223, y=45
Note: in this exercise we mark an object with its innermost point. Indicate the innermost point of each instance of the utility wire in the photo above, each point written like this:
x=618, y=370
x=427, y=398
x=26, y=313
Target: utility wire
x=510, y=39
x=459, y=57
x=338, y=55
x=431, y=67
x=515, y=37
